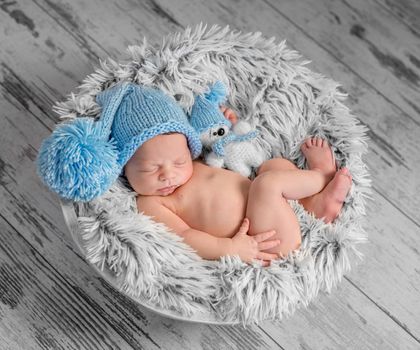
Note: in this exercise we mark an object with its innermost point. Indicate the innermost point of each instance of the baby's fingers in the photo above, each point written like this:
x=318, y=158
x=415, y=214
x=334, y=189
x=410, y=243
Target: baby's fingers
x=268, y=244
x=265, y=263
x=267, y=256
x=264, y=235
x=244, y=227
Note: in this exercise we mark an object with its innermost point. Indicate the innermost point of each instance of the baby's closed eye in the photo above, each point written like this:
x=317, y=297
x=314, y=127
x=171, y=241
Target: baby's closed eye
x=149, y=168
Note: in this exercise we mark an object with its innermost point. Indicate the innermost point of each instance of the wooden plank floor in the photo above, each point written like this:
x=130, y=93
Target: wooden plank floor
x=50, y=298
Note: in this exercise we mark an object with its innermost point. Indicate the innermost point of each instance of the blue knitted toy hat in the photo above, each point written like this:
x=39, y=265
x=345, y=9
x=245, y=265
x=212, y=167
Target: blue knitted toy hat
x=205, y=113
x=81, y=159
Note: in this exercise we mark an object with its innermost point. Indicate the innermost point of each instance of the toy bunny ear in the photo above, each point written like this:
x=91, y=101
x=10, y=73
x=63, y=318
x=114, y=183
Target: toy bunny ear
x=78, y=161
x=217, y=93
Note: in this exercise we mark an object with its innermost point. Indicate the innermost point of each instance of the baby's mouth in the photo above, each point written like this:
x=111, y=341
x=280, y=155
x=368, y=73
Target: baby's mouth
x=167, y=189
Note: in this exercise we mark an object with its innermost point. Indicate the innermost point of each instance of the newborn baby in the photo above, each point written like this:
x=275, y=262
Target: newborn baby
x=145, y=133
x=206, y=206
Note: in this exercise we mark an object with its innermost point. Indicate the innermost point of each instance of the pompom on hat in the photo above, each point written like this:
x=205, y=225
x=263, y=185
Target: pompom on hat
x=82, y=158
x=205, y=113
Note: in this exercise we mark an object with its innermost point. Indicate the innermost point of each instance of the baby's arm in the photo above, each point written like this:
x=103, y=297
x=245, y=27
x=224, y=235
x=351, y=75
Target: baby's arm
x=207, y=246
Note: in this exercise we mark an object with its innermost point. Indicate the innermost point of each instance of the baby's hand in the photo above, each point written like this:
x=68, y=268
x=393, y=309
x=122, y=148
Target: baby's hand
x=249, y=247
x=229, y=114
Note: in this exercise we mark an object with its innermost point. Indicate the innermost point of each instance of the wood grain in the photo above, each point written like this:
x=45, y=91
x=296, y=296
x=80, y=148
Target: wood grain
x=47, y=48
x=35, y=297
x=407, y=11
x=364, y=30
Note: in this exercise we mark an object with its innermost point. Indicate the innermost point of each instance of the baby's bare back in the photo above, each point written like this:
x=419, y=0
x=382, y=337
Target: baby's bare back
x=213, y=200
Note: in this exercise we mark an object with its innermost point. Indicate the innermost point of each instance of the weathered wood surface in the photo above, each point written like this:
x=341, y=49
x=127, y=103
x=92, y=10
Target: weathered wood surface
x=50, y=298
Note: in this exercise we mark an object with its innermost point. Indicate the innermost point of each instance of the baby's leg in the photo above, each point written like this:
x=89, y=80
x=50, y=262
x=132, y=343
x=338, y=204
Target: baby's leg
x=326, y=204
x=268, y=209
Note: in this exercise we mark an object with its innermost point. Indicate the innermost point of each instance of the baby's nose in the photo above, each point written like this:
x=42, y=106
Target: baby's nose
x=167, y=174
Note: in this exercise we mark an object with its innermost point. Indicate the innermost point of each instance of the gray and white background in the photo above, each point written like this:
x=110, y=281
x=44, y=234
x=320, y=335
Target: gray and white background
x=50, y=298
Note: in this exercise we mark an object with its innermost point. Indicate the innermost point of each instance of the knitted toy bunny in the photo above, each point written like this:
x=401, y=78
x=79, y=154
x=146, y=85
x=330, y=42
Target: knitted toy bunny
x=230, y=146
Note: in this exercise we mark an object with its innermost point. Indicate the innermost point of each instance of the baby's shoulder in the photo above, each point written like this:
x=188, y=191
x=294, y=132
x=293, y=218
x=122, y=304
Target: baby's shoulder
x=147, y=201
x=152, y=206
x=151, y=203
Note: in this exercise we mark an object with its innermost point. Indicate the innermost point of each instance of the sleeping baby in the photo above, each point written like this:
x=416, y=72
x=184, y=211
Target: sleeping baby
x=219, y=212
x=216, y=211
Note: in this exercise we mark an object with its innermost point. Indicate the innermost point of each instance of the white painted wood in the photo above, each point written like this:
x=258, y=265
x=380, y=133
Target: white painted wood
x=48, y=48
x=39, y=308
x=407, y=11
x=363, y=35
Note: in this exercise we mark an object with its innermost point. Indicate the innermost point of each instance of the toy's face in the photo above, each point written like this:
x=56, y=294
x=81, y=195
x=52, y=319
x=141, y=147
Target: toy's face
x=214, y=134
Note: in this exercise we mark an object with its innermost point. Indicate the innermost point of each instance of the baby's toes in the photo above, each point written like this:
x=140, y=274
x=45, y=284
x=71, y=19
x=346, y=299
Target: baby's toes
x=304, y=146
x=344, y=171
x=319, y=142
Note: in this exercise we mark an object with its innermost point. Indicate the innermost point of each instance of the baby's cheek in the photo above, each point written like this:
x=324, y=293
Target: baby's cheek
x=187, y=174
x=139, y=184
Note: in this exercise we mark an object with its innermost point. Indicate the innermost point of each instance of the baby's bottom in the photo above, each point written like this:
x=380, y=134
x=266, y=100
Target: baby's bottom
x=268, y=209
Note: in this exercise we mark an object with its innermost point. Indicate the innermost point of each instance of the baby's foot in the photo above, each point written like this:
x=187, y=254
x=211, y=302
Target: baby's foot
x=329, y=201
x=319, y=156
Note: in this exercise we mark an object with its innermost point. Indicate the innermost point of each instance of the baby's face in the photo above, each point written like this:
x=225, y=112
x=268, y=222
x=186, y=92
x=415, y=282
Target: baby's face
x=163, y=161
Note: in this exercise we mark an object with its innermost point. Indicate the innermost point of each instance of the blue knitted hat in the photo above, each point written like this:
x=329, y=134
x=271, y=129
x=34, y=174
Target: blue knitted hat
x=205, y=113
x=81, y=159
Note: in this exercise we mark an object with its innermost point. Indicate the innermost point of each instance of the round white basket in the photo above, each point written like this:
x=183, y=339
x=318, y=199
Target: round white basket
x=271, y=87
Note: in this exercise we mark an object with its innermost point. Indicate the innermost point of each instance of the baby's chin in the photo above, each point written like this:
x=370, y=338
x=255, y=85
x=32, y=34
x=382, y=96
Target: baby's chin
x=157, y=192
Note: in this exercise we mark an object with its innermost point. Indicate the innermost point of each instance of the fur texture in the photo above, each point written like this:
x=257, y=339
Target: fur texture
x=271, y=88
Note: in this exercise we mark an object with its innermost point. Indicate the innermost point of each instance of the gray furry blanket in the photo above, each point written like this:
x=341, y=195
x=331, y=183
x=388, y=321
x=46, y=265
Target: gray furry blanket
x=270, y=87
